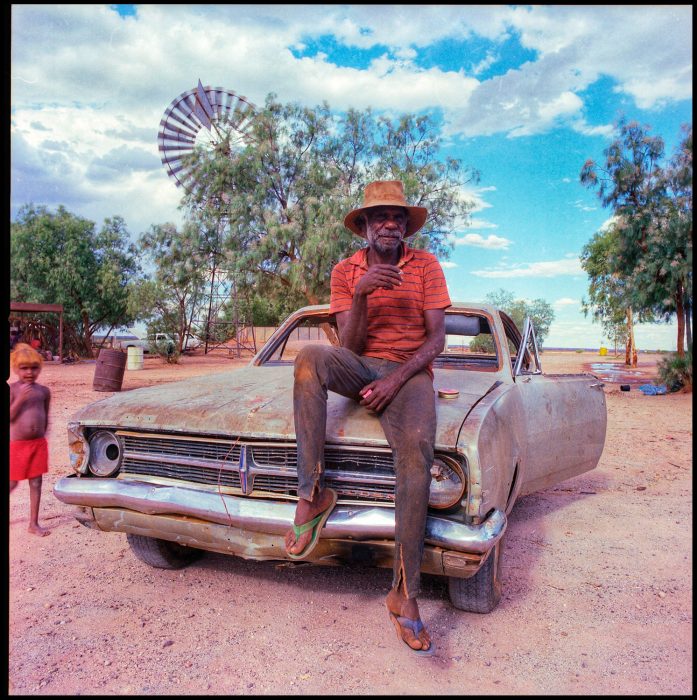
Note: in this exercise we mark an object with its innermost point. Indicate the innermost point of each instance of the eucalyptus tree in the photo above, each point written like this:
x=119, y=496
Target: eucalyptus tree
x=59, y=258
x=280, y=200
x=609, y=300
x=679, y=238
x=654, y=249
x=176, y=290
x=539, y=310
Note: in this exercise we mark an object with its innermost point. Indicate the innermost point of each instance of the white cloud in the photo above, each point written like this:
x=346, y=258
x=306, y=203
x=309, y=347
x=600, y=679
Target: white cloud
x=87, y=44
x=481, y=224
x=447, y=264
x=608, y=223
x=491, y=241
x=553, y=268
x=583, y=206
x=565, y=301
x=86, y=108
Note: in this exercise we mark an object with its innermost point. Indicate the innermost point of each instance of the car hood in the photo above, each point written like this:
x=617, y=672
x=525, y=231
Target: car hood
x=258, y=402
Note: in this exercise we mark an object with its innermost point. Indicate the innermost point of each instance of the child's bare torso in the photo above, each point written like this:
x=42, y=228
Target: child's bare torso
x=31, y=421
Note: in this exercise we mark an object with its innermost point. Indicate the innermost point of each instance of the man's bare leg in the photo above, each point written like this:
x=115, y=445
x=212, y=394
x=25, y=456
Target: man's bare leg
x=34, y=501
x=304, y=512
x=398, y=604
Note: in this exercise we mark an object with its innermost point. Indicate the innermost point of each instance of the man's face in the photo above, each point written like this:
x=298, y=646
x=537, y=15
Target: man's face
x=385, y=228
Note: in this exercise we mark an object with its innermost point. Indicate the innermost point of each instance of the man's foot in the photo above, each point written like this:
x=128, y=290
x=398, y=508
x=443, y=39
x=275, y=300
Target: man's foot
x=410, y=628
x=305, y=512
x=38, y=530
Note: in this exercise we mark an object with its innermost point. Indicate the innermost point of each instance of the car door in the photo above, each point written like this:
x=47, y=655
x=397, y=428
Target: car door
x=565, y=416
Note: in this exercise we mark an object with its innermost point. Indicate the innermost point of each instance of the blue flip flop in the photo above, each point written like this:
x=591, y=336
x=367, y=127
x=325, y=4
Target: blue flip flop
x=415, y=626
x=316, y=524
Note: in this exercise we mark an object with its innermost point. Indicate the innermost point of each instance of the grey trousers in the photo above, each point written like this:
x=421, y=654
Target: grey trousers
x=409, y=423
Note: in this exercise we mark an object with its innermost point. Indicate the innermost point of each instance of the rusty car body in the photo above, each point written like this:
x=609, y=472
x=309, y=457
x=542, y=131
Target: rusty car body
x=210, y=463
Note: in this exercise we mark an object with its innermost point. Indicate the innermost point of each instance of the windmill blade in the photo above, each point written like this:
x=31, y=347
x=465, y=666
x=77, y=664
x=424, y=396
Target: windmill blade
x=200, y=107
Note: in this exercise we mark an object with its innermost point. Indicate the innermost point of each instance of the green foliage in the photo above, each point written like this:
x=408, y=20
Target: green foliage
x=676, y=372
x=59, y=258
x=166, y=349
x=172, y=299
x=607, y=291
x=540, y=312
x=279, y=202
x=263, y=311
x=609, y=297
x=652, y=251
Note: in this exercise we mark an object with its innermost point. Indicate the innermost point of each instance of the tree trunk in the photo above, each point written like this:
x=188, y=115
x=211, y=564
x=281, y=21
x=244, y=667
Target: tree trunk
x=680, y=311
x=688, y=325
x=87, y=336
x=630, y=356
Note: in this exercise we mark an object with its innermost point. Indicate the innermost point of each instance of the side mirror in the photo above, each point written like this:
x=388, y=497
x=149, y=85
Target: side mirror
x=527, y=351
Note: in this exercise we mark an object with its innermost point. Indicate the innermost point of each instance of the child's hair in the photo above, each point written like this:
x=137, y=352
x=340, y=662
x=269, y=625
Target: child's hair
x=24, y=354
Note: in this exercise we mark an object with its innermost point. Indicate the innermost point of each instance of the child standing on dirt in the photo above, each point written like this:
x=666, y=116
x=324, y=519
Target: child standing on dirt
x=29, y=410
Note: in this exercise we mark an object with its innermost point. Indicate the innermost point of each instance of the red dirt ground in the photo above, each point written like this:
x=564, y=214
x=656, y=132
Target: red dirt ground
x=597, y=581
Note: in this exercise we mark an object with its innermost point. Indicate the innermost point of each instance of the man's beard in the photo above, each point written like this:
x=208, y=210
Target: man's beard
x=383, y=246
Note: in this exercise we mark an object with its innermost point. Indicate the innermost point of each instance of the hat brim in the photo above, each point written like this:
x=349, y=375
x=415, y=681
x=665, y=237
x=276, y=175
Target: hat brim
x=415, y=220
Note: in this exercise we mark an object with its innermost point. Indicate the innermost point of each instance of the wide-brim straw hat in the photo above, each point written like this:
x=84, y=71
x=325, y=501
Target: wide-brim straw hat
x=386, y=193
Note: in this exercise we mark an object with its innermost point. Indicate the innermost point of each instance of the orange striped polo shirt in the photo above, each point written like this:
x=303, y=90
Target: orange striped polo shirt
x=396, y=328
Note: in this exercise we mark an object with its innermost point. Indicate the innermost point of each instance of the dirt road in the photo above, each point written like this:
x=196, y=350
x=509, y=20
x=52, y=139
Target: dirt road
x=597, y=578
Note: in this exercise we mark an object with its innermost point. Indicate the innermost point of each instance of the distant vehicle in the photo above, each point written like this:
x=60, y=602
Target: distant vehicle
x=190, y=343
x=210, y=463
x=165, y=340
x=121, y=340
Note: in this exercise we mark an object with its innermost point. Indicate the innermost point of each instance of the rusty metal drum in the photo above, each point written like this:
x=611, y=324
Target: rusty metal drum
x=108, y=374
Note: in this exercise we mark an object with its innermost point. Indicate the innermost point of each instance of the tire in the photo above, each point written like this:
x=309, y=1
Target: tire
x=480, y=593
x=162, y=554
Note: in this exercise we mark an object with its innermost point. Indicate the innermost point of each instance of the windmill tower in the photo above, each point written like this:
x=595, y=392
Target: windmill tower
x=215, y=119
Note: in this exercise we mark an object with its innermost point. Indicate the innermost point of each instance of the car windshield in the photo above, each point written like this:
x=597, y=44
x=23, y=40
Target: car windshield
x=468, y=341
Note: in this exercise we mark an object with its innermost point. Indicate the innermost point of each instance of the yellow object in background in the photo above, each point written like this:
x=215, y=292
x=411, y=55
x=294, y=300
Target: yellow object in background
x=603, y=351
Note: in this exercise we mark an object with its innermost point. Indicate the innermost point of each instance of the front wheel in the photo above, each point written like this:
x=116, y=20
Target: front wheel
x=162, y=554
x=480, y=593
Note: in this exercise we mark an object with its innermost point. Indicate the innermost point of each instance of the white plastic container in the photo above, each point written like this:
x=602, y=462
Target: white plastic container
x=135, y=358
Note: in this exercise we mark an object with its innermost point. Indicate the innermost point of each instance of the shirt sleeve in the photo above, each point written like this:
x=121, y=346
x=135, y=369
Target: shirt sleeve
x=435, y=288
x=340, y=297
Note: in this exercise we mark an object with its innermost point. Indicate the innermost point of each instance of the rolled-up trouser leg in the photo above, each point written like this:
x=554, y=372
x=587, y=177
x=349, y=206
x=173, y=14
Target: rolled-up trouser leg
x=317, y=370
x=409, y=423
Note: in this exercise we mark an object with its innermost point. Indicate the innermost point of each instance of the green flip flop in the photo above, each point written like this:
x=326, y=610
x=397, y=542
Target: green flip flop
x=316, y=524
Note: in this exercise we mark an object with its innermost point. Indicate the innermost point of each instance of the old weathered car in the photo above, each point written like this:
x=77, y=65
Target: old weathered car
x=210, y=463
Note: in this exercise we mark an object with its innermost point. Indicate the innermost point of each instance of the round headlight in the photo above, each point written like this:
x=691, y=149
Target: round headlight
x=105, y=453
x=447, y=483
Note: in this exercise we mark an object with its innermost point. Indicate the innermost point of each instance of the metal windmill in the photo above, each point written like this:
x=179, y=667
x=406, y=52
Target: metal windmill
x=213, y=119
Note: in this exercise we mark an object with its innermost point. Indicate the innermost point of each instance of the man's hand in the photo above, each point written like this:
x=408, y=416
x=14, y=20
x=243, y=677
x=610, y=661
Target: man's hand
x=379, y=277
x=378, y=394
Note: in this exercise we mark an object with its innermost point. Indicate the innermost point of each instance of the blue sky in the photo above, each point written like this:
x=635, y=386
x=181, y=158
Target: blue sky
x=525, y=93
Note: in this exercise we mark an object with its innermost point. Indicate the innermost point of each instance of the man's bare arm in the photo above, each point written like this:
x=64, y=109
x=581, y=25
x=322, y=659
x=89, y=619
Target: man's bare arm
x=379, y=393
x=353, y=324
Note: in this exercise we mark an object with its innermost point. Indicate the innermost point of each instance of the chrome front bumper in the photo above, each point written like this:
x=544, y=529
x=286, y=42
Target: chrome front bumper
x=271, y=517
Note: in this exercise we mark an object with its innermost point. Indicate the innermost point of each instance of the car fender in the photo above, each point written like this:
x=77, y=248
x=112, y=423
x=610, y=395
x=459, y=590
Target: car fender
x=492, y=439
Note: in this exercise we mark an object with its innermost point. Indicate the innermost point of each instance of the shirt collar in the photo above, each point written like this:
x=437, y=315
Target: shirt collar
x=360, y=258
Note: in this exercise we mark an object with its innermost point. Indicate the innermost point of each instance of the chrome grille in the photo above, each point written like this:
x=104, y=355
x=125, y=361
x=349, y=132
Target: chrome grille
x=199, y=461
x=359, y=474
x=197, y=474
x=219, y=451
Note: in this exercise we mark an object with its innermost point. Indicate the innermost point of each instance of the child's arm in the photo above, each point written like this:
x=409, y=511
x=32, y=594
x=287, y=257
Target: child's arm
x=18, y=395
x=48, y=406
